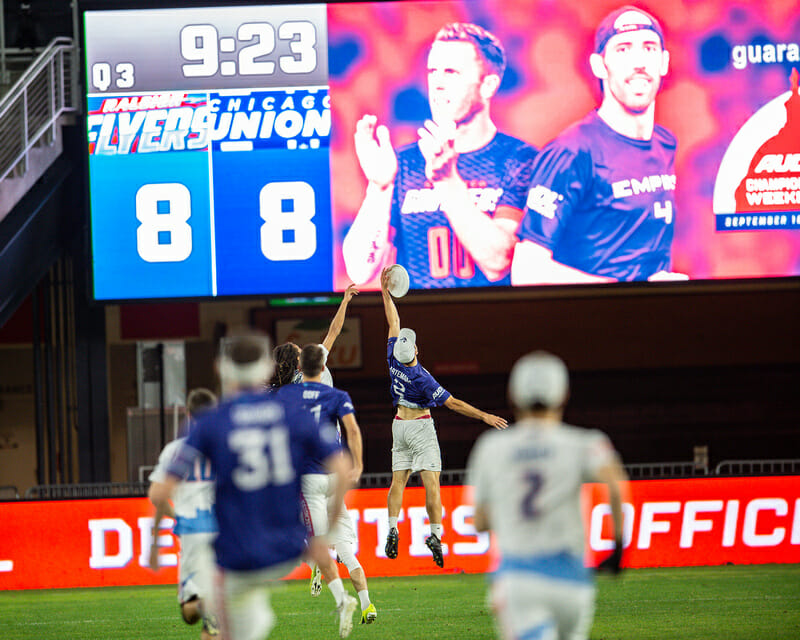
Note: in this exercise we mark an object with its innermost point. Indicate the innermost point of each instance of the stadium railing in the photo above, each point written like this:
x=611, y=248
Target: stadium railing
x=8, y=492
x=647, y=470
x=97, y=490
x=453, y=477
x=757, y=467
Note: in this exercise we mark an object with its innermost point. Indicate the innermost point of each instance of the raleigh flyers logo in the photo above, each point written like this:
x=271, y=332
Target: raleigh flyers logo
x=758, y=183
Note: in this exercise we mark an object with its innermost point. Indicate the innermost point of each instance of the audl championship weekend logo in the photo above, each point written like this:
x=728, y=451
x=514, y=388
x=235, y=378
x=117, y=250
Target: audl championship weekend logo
x=758, y=183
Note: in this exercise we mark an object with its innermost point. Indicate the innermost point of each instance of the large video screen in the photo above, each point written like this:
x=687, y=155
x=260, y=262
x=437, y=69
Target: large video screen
x=291, y=149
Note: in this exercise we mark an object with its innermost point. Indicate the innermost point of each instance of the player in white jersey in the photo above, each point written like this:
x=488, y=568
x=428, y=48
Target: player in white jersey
x=527, y=483
x=195, y=526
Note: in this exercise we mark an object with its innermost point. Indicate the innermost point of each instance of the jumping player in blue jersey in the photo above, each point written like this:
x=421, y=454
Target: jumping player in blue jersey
x=331, y=405
x=601, y=204
x=450, y=203
x=258, y=445
x=415, y=446
x=195, y=525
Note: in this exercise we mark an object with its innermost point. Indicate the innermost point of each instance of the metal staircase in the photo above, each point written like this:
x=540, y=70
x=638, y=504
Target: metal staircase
x=31, y=115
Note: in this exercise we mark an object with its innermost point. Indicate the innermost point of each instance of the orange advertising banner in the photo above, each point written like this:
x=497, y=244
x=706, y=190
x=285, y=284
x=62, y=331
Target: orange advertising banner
x=88, y=543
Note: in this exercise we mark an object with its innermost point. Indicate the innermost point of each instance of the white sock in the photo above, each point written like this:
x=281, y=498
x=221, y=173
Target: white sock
x=364, y=597
x=392, y=523
x=437, y=530
x=337, y=589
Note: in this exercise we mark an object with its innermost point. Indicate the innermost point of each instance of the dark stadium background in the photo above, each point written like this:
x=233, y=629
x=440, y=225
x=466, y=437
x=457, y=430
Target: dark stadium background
x=662, y=370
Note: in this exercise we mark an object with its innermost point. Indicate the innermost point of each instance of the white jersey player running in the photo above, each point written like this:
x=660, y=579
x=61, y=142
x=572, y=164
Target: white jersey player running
x=527, y=482
x=195, y=525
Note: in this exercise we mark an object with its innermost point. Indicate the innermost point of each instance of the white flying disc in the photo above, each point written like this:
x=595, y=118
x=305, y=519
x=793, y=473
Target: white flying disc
x=398, y=281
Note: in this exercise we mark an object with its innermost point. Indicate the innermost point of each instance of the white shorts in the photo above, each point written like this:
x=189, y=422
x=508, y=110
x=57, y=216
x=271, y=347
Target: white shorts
x=317, y=489
x=196, y=566
x=245, y=612
x=526, y=605
x=415, y=445
x=342, y=531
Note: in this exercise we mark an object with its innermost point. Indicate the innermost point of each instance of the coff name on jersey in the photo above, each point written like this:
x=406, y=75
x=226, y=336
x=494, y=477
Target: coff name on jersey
x=428, y=200
x=645, y=184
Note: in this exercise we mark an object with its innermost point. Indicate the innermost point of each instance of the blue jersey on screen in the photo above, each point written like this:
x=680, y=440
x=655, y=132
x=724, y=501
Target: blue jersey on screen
x=413, y=386
x=604, y=203
x=497, y=174
x=325, y=403
x=258, y=445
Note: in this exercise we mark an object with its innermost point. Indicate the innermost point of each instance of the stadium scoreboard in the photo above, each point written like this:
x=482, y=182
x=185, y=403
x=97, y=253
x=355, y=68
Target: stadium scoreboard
x=220, y=139
x=208, y=134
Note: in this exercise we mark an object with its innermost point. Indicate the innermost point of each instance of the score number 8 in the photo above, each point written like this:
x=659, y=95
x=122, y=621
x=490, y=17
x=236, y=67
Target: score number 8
x=287, y=209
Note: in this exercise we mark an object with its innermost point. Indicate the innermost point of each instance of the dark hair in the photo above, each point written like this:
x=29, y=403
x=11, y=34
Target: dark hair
x=287, y=359
x=486, y=44
x=312, y=360
x=199, y=400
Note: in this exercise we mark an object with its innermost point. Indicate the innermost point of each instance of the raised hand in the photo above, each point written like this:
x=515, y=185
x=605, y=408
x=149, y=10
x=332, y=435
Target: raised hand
x=375, y=153
x=437, y=144
x=350, y=292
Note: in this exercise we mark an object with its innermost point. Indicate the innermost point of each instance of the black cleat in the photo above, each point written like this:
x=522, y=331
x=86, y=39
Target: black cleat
x=435, y=545
x=391, y=544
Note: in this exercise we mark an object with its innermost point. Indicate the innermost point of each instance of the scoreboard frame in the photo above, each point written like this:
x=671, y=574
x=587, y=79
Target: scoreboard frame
x=292, y=246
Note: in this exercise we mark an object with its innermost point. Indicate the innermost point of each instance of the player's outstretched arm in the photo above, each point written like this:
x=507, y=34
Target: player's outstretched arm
x=356, y=446
x=337, y=323
x=534, y=264
x=366, y=246
x=489, y=239
x=466, y=409
x=392, y=317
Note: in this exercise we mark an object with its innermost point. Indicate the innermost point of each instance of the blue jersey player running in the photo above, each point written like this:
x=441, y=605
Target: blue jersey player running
x=330, y=405
x=450, y=203
x=601, y=205
x=258, y=445
x=415, y=446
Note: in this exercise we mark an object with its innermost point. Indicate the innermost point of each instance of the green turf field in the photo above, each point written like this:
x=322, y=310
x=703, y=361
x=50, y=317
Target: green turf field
x=728, y=603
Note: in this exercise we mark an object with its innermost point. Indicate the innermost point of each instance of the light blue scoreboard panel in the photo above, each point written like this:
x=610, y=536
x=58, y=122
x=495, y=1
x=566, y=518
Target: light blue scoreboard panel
x=208, y=136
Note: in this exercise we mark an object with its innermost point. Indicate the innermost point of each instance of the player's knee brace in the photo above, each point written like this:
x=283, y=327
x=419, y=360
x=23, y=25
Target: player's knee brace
x=347, y=556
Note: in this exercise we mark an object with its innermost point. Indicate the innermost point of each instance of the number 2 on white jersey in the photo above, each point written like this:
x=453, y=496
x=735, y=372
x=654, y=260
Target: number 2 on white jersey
x=263, y=458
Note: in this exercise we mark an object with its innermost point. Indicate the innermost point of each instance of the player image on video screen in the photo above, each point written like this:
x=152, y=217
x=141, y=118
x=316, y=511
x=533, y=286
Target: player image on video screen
x=601, y=203
x=451, y=202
